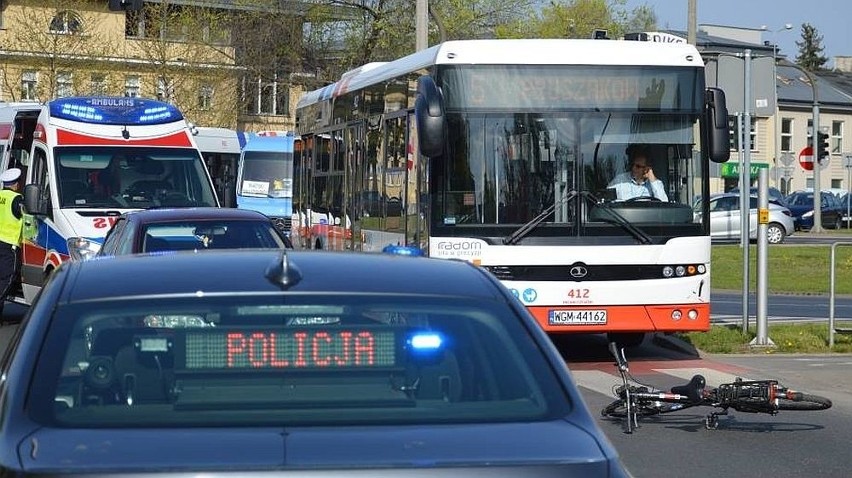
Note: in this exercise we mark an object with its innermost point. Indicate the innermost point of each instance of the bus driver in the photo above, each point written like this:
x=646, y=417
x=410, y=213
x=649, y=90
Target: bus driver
x=639, y=180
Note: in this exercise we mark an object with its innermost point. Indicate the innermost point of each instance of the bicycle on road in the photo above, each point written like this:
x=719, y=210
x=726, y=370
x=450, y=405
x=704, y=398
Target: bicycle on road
x=637, y=400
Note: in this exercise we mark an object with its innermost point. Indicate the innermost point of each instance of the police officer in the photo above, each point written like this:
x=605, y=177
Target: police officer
x=10, y=230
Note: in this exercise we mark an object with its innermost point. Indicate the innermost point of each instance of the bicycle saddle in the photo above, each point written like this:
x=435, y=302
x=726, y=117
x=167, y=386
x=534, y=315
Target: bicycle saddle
x=694, y=390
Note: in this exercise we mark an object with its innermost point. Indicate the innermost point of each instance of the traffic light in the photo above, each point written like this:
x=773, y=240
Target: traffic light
x=822, y=146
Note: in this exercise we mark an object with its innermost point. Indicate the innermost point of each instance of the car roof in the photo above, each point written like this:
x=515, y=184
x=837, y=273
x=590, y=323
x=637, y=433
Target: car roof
x=239, y=271
x=193, y=213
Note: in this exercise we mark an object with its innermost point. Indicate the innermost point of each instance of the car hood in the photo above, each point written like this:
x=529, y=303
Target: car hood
x=557, y=443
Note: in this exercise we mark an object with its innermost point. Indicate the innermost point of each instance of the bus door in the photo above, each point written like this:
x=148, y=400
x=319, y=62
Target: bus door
x=354, y=144
x=417, y=194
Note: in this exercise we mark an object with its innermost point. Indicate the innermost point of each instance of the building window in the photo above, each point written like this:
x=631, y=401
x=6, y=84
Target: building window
x=205, y=97
x=736, y=138
x=132, y=86
x=263, y=97
x=836, y=140
x=165, y=89
x=836, y=183
x=787, y=134
x=98, y=84
x=66, y=22
x=64, y=84
x=29, y=85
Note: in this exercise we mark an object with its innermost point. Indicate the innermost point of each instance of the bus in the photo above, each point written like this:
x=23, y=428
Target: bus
x=87, y=160
x=503, y=153
x=265, y=177
x=220, y=148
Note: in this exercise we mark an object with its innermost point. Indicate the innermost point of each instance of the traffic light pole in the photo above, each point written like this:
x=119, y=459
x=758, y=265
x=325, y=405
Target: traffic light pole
x=815, y=150
x=817, y=227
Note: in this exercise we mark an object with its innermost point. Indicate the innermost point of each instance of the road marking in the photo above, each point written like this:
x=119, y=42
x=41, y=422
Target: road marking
x=596, y=380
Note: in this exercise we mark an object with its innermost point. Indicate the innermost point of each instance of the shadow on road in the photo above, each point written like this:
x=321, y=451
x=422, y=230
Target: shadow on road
x=594, y=348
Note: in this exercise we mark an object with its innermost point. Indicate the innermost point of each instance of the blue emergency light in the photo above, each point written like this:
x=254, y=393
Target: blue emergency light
x=400, y=250
x=117, y=110
x=426, y=347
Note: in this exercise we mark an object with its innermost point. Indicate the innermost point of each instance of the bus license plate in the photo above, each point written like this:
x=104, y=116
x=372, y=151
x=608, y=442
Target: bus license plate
x=576, y=317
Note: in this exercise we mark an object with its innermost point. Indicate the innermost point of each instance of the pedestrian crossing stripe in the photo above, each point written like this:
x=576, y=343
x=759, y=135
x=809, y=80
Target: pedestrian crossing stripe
x=714, y=377
x=603, y=382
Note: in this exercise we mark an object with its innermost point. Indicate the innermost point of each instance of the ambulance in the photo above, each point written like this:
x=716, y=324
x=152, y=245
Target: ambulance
x=87, y=160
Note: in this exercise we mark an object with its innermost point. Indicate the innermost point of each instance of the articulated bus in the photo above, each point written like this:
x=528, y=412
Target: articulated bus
x=87, y=160
x=504, y=152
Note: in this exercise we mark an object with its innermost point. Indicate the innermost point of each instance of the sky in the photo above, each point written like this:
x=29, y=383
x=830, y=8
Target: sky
x=831, y=18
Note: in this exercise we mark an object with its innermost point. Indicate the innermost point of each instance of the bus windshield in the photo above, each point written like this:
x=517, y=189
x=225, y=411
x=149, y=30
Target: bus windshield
x=525, y=163
x=132, y=178
x=560, y=141
x=267, y=174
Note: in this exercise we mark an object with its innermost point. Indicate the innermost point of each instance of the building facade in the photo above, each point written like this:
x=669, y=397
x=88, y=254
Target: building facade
x=176, y=51
x=782, y=104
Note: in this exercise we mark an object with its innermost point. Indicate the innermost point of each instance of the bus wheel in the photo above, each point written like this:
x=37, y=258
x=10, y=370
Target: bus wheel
x=626, y=339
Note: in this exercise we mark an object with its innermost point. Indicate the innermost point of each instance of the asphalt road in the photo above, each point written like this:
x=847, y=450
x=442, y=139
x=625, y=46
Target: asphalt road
x=726, y=307
x=790, y=444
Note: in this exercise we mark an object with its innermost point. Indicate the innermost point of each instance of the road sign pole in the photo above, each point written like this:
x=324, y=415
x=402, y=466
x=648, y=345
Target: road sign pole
x=847, y=163
x=762, y=339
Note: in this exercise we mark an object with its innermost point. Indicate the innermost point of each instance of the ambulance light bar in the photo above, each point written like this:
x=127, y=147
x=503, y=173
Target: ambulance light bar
x=108, y=110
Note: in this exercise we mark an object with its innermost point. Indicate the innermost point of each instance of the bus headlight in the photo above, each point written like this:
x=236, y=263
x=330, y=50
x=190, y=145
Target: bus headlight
x=677, y=315
x=668, y=271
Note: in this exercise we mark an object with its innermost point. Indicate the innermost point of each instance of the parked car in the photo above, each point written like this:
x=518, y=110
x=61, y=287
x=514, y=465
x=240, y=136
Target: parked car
x=157, y=230
x=263, y=361
x=801, y=204
x=726, y=219
x=774, y=194
x=845, y=202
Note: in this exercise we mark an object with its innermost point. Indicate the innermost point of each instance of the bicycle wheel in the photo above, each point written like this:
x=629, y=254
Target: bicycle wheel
x=618, y=409
x=807, y=402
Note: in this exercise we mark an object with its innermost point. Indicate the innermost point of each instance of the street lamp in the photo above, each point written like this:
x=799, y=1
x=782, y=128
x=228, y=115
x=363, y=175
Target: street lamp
x=777, y=136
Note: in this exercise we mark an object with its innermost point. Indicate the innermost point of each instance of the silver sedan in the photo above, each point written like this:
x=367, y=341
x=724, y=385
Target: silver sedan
x=725, y=219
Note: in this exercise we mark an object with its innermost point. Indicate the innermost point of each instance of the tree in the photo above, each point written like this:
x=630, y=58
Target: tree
x=382, y=30
x=185, y=52
x=810, y=49
x=580, y=18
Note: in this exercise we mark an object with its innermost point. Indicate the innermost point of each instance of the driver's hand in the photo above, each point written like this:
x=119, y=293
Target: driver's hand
x=649, y=175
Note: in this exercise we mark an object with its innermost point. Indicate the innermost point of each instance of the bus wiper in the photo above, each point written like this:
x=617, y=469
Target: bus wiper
x=621, y=221
x=522, y=231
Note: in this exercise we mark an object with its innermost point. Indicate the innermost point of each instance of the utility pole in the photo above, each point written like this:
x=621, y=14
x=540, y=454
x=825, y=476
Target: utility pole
x=692, y=14
x=421, y=17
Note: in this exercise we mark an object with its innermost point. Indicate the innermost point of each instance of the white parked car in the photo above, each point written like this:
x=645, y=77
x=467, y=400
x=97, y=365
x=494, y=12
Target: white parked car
x=725, y=219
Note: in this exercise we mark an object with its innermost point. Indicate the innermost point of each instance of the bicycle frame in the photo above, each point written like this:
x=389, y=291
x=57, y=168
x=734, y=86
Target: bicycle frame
x=754, y=396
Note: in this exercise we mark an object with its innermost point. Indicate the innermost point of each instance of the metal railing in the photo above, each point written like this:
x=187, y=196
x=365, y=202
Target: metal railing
x=831, y=328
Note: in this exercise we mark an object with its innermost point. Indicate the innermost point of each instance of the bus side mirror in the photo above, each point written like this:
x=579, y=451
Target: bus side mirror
x=31, y=200
x=429, y=114
x=718, y=134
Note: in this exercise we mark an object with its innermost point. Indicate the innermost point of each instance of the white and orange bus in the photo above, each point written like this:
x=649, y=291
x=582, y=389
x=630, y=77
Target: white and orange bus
x=503, y=152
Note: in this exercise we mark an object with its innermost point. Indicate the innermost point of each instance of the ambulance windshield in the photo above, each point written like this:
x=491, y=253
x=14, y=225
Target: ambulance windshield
x=132, y=178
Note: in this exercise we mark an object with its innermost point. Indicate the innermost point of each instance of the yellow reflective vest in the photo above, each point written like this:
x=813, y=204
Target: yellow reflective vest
x=10, y=226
